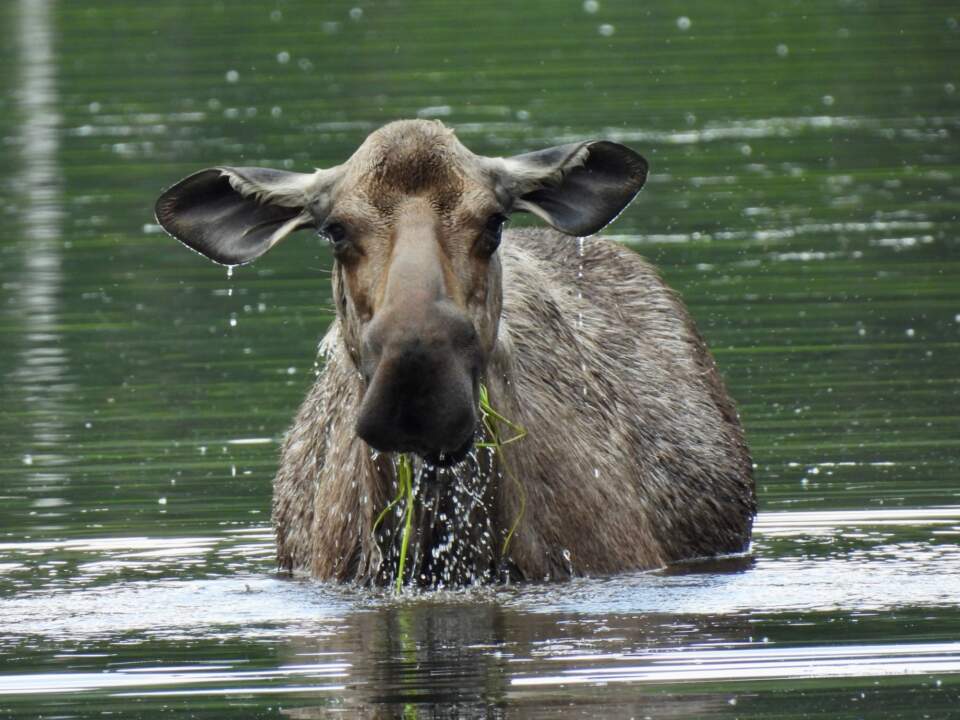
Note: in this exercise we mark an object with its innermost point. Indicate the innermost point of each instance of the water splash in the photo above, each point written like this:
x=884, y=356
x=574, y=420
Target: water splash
x=438, y=532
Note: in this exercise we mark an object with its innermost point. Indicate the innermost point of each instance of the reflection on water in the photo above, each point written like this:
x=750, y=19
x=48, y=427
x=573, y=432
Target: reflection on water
x=753, y=664
x=147, y=679
x=871, y=561
x=844, y=579
x=803, y=199
x=42, y=359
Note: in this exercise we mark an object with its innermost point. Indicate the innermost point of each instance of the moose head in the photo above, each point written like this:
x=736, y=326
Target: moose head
x=414, y=220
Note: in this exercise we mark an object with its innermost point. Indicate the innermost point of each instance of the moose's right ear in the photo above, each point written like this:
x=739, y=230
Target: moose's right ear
x=234, y=215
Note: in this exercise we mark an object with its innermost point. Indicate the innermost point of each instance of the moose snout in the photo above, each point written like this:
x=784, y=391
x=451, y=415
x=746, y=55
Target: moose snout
x=422, y=383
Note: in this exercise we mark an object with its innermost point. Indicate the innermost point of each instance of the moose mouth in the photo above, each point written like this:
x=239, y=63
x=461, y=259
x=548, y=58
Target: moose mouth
x=448, y=459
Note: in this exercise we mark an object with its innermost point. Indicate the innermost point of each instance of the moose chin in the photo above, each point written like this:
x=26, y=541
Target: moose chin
x=634, y=456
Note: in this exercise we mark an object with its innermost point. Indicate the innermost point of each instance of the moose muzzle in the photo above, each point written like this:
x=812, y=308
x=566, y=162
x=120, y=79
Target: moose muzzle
x=421, y=367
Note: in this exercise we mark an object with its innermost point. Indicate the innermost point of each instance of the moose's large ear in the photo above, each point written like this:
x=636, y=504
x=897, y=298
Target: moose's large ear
x=233, y=215
x=577, y=188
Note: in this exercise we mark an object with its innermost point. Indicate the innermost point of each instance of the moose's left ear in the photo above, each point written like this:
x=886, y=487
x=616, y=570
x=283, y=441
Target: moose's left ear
x=577, y=188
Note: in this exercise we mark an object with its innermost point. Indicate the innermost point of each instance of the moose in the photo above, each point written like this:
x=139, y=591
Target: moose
x=633, y=455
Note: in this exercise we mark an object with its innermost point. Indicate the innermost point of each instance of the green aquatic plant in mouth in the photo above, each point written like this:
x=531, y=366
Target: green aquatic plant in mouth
x=491, y=420
x=404, y=493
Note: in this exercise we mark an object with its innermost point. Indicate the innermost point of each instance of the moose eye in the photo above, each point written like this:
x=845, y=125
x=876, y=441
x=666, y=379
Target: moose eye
x=490, y=240
x=336, y=234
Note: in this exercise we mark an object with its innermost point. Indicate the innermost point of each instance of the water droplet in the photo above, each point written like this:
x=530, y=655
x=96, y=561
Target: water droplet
x=28, y=459
x=783, y=50
x=283, y=57
x=356, y=13
x=683, y=23
x=827, y=100
x=590, y=6
x=232, y=76
x=911, y=332
x=162, y=501
x=230, y=271
x=606, y=30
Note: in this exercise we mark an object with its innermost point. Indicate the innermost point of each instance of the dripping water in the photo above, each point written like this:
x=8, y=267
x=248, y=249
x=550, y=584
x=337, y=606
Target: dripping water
x=453, y=541
x=580, y=283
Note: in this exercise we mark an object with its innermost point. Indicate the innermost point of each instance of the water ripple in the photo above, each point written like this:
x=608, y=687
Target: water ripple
x=755, y=664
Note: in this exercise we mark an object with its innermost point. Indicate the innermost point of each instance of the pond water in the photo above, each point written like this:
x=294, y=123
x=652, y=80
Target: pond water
x=804, y=199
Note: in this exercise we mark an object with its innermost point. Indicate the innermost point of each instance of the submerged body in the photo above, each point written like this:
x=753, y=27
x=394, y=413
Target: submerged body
x=634, y=457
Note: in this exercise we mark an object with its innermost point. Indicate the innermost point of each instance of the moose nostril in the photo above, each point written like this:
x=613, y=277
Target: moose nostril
x=369, y=361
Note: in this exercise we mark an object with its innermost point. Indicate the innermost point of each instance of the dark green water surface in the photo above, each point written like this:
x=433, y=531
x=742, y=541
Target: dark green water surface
x=804, y=199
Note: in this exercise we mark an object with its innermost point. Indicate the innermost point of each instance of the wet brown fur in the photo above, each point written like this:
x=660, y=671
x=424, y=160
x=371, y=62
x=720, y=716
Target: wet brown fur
x=634, y=457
